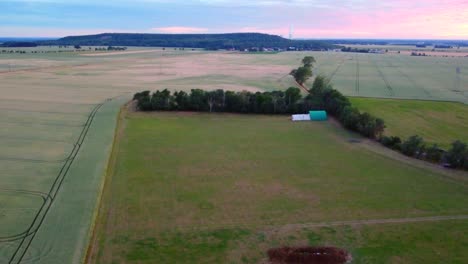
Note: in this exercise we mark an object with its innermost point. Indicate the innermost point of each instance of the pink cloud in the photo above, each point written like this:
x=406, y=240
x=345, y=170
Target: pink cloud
x=179, y=30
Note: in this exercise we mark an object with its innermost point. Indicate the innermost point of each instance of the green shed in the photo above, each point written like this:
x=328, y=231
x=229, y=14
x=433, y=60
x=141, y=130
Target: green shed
x=318, y=115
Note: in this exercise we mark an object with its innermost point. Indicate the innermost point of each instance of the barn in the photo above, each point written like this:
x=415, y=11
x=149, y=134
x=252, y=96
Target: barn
x=318, y=115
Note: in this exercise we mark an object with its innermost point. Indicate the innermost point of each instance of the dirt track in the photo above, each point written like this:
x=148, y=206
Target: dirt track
x=371, y=222
x=457, y=176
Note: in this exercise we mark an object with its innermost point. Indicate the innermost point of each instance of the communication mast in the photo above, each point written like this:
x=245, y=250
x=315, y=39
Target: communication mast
x=291, y=31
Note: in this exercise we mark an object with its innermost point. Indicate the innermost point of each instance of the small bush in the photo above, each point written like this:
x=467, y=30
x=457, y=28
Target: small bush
x=391, y=142
x=413, y=146
x=457, y=155
x=434, y=153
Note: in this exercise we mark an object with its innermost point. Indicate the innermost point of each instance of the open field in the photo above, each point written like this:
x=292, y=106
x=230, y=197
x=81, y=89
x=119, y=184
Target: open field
x=436, y=122
x=221, y=188
x=47, y=99
x=367, y=75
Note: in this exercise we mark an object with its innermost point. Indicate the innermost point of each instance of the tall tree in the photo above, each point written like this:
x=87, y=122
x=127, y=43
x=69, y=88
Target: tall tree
x=302, y=74
x=308, y=61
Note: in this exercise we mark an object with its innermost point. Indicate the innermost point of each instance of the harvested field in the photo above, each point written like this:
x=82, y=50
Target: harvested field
x=366, y=75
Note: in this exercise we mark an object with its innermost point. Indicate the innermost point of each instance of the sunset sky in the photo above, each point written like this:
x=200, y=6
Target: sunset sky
x=416, y=19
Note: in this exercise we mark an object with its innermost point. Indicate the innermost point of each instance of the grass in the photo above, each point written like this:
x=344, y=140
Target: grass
x=201, y=188
x=436, y=122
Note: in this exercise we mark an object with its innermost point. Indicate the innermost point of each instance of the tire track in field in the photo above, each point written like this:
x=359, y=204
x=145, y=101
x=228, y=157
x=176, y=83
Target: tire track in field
x=382, y=76
x=36, y=139
x=28, y=236
x=41, y=112
x=45, y=197
x=411, y=80
x=371, y=222
x=43, y=68
x=337, y=68
x=356, y=85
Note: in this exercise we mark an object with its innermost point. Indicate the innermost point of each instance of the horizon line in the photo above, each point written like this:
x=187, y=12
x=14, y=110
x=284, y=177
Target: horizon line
x=303, y=38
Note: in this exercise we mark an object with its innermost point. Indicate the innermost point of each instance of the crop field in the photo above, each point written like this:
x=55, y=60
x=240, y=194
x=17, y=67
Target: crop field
x=437, y=122
x=397, y=76
x=364, y=75
x=222, y=188
x=57, y=126
x=42, y=145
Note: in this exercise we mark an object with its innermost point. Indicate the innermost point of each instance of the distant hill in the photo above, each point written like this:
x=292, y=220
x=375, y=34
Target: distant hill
x=206, y=41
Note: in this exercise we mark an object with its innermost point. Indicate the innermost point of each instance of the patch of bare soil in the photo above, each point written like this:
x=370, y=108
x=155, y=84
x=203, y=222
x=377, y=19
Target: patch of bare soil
x=308, y=255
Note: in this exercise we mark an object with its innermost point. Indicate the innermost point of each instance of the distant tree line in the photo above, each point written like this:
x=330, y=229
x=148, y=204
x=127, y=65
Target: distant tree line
x=14, y=44
x=238, y=41
x=418, y=54
x=349, y=49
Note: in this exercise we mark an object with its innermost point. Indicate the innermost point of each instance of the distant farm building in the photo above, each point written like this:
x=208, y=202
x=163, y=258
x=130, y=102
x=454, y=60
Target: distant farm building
x=377, y=51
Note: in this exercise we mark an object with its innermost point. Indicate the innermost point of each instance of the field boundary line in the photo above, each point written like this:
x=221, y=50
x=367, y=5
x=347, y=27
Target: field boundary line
x=371, y=222
x=106, y=179
x=407, y=99
x=42, y=68
x=357, y=75
x=337, y=68
x=43, y=112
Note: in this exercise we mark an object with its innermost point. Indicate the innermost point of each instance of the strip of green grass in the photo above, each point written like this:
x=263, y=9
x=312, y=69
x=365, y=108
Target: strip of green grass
x=436, y=122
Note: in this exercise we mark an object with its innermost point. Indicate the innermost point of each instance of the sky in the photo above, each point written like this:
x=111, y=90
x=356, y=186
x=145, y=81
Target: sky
x=389, y=19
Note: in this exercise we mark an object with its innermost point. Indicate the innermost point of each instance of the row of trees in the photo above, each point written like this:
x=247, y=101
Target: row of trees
x=276, y=102
x=323, y=96
x=416, y=147
x=304, y=72
x=336, y=104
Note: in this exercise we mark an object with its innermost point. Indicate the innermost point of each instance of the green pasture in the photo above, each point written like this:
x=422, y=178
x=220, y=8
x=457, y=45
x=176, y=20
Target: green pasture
x=202, y=188
x=437, y=122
